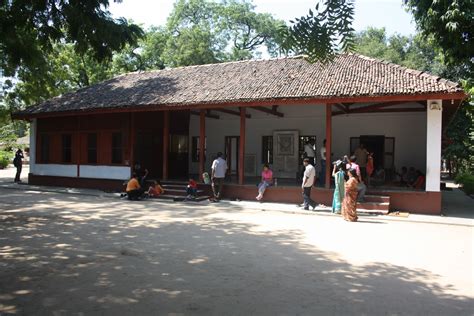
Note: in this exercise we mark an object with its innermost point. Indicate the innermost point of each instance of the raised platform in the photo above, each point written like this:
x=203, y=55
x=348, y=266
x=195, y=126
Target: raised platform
x=420, y=202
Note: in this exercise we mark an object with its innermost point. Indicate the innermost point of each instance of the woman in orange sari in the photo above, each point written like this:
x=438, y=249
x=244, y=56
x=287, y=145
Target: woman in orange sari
x=349, y=205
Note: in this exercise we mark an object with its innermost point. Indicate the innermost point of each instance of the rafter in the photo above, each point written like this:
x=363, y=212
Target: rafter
x=208, y=114
x=232, y=112
x=341, y=107
x=272, y=111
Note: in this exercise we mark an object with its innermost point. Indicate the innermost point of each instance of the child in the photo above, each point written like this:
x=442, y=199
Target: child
x=156, y=189
x=191, y=189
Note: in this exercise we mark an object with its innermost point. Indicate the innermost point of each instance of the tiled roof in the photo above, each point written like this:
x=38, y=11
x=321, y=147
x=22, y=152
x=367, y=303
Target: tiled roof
x=349, y=75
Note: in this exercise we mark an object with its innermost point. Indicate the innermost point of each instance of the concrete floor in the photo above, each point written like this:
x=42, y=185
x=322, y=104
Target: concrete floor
x=80, y=253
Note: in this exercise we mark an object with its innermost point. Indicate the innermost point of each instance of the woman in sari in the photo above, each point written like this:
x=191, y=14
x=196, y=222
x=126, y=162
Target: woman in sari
x=339, y=190
x=349, y=204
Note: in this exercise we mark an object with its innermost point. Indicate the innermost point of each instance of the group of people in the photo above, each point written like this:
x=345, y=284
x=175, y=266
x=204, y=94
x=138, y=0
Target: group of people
x=409, y=177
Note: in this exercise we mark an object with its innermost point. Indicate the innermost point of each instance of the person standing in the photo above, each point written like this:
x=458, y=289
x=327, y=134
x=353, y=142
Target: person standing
x=361, y=187
x=18, y=163
x=349, y=204
x=219, y=168
x=361, y=154
x=309, y=152
x=308, y=181
x=322, y=172
x=338, y=174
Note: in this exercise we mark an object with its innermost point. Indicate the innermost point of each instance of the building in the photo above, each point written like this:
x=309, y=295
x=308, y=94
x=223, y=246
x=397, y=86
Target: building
x=174, y=121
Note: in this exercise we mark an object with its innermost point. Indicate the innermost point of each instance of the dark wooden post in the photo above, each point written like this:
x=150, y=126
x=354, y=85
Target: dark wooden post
x=78, y=146
x=202, y=141
x=166, y=142
x=132, y=142
x=242, y=146
x=328, y=144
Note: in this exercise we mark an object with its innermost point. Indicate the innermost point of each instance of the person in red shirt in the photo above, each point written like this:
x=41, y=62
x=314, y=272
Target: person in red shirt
x=156, y=189
x=191, y=189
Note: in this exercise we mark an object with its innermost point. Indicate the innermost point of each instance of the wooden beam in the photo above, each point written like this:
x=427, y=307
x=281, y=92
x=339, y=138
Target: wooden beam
x=328, y=144
x=166, y=142
x=208, y=114
x=376, y=106
x=202, y=141
x=398, y=110
x=272, y=111
x=292, y=102
x=341, y=107
x=243, y=116
x=232, y=112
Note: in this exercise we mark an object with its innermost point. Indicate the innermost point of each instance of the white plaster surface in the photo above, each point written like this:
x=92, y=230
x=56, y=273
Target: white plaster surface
x=433, y=145
x=55, y=170
x=105, y=172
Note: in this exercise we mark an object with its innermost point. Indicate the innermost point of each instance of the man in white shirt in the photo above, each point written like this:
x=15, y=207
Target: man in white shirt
x=322, y=172
x=308, y=181
x=309, y=152
x=219, y=168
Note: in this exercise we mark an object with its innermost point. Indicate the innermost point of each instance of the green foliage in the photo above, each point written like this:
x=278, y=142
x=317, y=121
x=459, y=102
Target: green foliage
x=5, y=158
x=460, y=133
x=450, y=24
x=324, y=32
x=206, y=31
x=467, y=181
x=31, y=28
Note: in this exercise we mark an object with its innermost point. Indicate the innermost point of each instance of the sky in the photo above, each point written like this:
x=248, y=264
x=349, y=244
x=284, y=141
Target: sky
x=379, y=13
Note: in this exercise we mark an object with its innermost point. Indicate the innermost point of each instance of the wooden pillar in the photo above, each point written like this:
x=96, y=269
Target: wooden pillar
x=328, y=144
x=242, y=146
x=132, y=142
x=166, y=143
x=202, y=141
x=78, y=146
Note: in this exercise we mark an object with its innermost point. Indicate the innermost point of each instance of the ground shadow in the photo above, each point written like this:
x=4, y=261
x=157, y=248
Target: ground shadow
x=66, y=255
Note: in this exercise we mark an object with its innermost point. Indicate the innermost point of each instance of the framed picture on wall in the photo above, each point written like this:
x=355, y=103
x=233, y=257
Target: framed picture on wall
x=285, y=144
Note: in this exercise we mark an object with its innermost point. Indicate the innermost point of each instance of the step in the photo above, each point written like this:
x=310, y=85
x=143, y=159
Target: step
x=179, y=198
x=377, y=198
x=181, y=192
x=373, y=206
x=375, y=211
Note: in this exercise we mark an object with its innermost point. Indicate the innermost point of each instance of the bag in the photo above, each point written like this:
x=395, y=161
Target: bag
x=16, y=161
x=206, y=178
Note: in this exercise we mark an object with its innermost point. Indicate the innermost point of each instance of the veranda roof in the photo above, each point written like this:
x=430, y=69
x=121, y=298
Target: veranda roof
x=290, y=78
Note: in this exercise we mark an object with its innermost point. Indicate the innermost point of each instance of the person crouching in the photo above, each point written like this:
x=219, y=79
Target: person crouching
x=134, y=190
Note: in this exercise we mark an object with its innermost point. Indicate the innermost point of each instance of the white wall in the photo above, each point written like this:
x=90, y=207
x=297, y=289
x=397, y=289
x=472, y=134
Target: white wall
x=55, y=170
x=104, y=172
x=409, y=130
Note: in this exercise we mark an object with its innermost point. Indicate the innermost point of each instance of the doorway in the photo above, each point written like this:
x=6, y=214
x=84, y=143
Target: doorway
x=375, y=144
x=232, y=154
x=178, y=156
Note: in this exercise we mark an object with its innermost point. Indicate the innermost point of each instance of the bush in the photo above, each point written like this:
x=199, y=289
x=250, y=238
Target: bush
x=5, y=158
x=467, y=182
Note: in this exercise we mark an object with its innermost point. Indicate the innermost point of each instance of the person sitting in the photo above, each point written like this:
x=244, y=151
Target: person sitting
x=420, y=181
x=191, y=189
x=403, y=175
x=411, y=176
x=155, y=189
x=266, y=181
x=134, y=190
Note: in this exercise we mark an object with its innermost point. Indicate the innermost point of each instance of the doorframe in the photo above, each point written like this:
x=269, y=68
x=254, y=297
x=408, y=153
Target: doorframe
x=228, y=153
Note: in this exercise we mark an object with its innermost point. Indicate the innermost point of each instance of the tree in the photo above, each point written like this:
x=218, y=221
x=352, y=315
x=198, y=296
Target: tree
x=31, y=28
x=322, y=33
x=205, y=31
x=450, y=24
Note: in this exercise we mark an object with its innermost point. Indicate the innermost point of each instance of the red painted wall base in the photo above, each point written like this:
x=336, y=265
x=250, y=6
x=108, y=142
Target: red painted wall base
x=85, y=183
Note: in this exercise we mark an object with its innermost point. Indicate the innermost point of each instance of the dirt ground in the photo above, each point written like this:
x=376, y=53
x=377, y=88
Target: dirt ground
x=74, y=254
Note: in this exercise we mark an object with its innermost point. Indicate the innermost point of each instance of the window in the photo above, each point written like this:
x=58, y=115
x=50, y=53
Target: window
x=195, y=148
x=92, y=148
x=44, y=154
x=267, y=149
x=117, y=148
x=303, y=140
x=179, y=144
x=66, y=148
